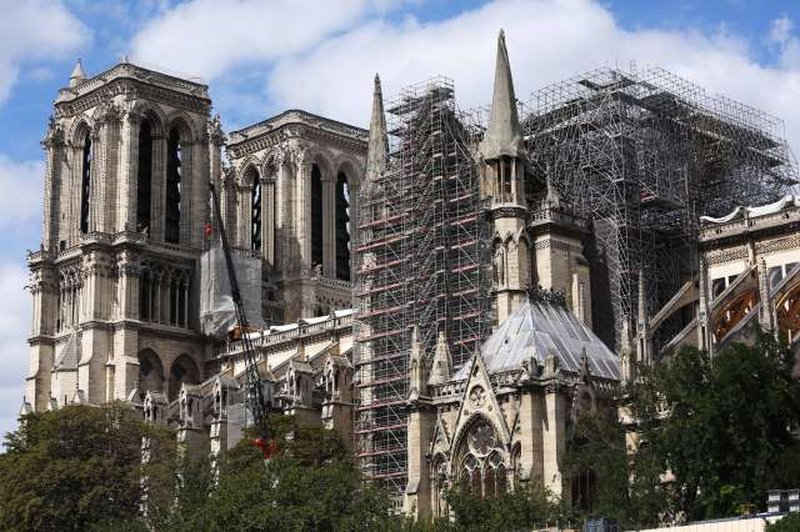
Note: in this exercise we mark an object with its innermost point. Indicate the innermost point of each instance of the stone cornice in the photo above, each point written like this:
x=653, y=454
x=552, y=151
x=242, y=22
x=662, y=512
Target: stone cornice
x=741, y=230
x=135, y=73
x=296, y=124
x=95, y=91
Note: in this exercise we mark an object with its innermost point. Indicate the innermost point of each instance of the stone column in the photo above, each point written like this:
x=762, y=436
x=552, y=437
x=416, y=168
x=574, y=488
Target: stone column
x=283, y=215
x=554, y=439
x=158, y=182
x=98, y=177
x=303, y=209
x=54, y=148
x=268, y=220
x=189, y=197
x=418, y=491
x=329, y=225
x=128, y=173
x=531, y=419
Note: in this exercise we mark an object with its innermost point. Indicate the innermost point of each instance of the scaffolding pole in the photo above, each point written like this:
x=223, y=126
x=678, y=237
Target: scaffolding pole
x=421, y=264
x=642, y=154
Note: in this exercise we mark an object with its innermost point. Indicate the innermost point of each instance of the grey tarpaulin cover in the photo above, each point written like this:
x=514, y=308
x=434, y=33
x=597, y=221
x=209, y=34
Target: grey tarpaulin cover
x=217, y=314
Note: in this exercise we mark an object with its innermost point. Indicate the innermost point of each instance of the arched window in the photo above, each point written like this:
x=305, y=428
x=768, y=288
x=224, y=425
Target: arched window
x=256, y=200
x=342, y=227
x=482, y=470
x=316, y=215
x=183, y=370
x=173, y=214
x=86, y=182
x=151, y=372
x=144, y=177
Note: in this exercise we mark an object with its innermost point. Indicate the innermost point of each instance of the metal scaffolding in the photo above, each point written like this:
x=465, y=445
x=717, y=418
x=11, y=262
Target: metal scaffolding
x=421, y=265
x=641, y=155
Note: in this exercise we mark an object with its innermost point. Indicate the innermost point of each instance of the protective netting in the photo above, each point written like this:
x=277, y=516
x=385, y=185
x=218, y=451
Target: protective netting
x=217, y=313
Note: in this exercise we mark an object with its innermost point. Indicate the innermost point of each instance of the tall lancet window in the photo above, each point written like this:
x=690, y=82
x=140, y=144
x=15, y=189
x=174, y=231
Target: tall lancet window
x=86, y=182
x=316, y=215
x=256, y=200
x=342, y=227
x=144, y=177
x=172, y=228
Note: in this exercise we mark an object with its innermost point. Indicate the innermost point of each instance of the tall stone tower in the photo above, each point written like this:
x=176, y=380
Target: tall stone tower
x=290, y=196
x=502, y=165
x=115, y=283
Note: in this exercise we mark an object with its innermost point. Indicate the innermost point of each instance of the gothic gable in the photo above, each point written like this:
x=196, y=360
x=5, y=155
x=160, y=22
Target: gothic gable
x=479, y=400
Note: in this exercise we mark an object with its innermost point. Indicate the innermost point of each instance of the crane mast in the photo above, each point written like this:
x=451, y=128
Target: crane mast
x=256, y=399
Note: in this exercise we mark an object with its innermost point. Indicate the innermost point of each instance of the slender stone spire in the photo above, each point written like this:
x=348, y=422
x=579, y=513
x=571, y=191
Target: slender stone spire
x=442, y=362
x=77, y=75
x=503, y=136
x=378, y=148
x=553, y=199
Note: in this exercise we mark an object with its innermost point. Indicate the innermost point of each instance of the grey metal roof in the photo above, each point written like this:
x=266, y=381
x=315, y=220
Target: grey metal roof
x=537, y=329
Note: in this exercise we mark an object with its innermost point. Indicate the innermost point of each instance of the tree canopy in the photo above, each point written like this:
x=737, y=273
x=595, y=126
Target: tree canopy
x=720, y=428
x=78, y=467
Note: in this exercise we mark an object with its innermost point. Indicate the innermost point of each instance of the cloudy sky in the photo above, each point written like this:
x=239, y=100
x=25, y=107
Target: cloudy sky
x=262, y=56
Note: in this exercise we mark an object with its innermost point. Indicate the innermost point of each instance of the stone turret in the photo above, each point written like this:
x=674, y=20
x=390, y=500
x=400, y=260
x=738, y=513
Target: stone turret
x=378, y=147
x=503, y=183
x=503, y=137
x=77, y=75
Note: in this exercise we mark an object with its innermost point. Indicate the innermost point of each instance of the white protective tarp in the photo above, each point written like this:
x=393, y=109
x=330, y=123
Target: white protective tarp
x=217, y=313
x=753, y=212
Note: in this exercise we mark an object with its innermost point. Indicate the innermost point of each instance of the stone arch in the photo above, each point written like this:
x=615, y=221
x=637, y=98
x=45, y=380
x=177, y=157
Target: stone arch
x=82, y=139
x=268, y=166
x=180, y=139
x=151, y=372
x=352, y=169
x=439, y=484
x=346, y=185
x=252, y=190
x=323, y=161
x=145, y=110
x=185, y=125
x=480, y=462
x=80, y=130
x=183, y=370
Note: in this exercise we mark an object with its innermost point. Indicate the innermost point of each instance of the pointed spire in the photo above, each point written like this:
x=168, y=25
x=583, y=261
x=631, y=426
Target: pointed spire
x=378, y=148
x=77, y=75
x=418, y=380
x=553, y=199
x=503, y=136
x=442, y=362
x=124, y=58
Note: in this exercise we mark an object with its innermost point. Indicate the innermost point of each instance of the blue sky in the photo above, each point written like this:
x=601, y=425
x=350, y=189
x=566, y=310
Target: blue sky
x=262, y=56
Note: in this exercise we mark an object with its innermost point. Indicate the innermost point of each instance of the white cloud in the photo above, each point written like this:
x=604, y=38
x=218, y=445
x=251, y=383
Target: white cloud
x=21, y=202
x=15, y=312
x=34, y=30
x=208, y=37
x=321, y=56
x=548, y=40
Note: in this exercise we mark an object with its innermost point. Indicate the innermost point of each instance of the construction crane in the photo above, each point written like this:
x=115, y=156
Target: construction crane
x=257, y=399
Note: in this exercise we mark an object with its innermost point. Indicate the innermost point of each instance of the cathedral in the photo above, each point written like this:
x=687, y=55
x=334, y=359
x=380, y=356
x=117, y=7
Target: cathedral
x=444, y=292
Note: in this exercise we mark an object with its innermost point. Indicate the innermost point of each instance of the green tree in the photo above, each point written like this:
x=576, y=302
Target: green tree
x=79, y=467
x=312, y=484
x=721, y=427
x=524, y=508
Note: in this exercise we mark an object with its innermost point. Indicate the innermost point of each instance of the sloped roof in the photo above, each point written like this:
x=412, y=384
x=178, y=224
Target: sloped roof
x=537, y=329
x=69, y=356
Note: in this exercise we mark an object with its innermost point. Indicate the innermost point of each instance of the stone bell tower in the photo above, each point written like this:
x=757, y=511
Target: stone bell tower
x=502, y=165
x=129, y=156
